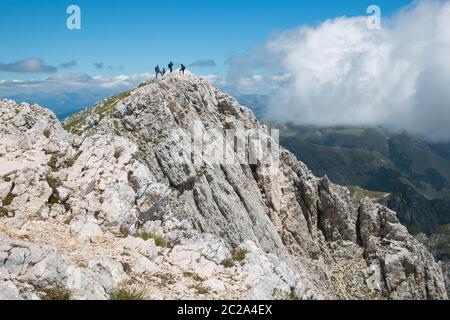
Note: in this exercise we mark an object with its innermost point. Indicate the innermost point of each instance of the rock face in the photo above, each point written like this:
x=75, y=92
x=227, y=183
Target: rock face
x=136, y=199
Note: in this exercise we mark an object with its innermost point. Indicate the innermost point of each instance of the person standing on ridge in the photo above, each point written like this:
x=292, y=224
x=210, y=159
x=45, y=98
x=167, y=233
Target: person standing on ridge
x=163, y=72
x=183, y=68
x=171, y=66
x=157, y=71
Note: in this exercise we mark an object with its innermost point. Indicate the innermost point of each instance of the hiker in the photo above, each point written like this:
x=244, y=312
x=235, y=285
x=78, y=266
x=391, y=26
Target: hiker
x=171, y=66
x=163, y=72
x=183, y=68
x=157, y=71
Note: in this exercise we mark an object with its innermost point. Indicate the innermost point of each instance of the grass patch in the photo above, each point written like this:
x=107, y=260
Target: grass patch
x=9, y=199
x=47, y=133
x=52, y=182
x=118, y=153
x=54, y=199
x=68, y=163
x=143, y=235
x=194, y=276
x=53, y=162
x=228, y=263
x=240, y=254
x=3, y=212
x=59, y=293
x=293, y=295
x=358, y=193
x=77, y=123
x=200, y=289
x=159, y=241
x=127, y=294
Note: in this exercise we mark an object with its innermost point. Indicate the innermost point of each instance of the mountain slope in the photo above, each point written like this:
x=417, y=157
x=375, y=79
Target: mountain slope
x=130, y=182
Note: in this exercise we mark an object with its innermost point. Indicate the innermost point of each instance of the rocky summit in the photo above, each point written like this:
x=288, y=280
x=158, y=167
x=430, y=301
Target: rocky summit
x=122, y=201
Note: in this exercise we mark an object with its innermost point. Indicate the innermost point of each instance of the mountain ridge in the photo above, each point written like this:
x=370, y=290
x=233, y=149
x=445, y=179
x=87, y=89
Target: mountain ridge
x=125, y=180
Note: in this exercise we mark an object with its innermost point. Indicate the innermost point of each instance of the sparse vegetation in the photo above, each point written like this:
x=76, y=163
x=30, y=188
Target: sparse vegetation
x=201, y=172
x=3, y=212
x=52, y=182
x=47, y=133
x=77, y=123
x=159, y=241
x=293, y=295
x=127, y=293
x=143, y=235
x=68, y=163
x=228, y=263
x=9, y=199
x=118, y=153
x=57, y=293
x=358, y=193
x=194, y=276
x=240, y=254
x=200, y=289
x=52, y=163
x=54, y=199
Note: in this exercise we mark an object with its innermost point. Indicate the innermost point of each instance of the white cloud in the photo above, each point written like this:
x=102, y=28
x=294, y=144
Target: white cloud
x=342, y=73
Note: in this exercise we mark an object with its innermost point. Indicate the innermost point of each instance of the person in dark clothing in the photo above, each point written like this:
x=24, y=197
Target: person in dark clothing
x=163, y=72
x=157, y=71
x=183, y=68
x=171, y=66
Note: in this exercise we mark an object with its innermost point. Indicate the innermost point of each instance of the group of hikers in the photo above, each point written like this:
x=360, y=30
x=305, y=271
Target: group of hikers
x=162, y=72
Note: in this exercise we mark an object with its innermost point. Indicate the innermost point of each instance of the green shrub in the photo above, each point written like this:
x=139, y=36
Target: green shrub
x=228, y=263
x=127, y=294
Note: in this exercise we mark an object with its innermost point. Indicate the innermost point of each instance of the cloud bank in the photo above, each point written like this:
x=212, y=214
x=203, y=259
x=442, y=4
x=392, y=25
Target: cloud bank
x=67, y=93
x=342, y=73
x=30, y=65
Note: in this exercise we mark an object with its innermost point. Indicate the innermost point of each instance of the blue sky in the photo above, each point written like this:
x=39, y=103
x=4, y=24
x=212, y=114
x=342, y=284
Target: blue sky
x=131, y=37
x=137, y=34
